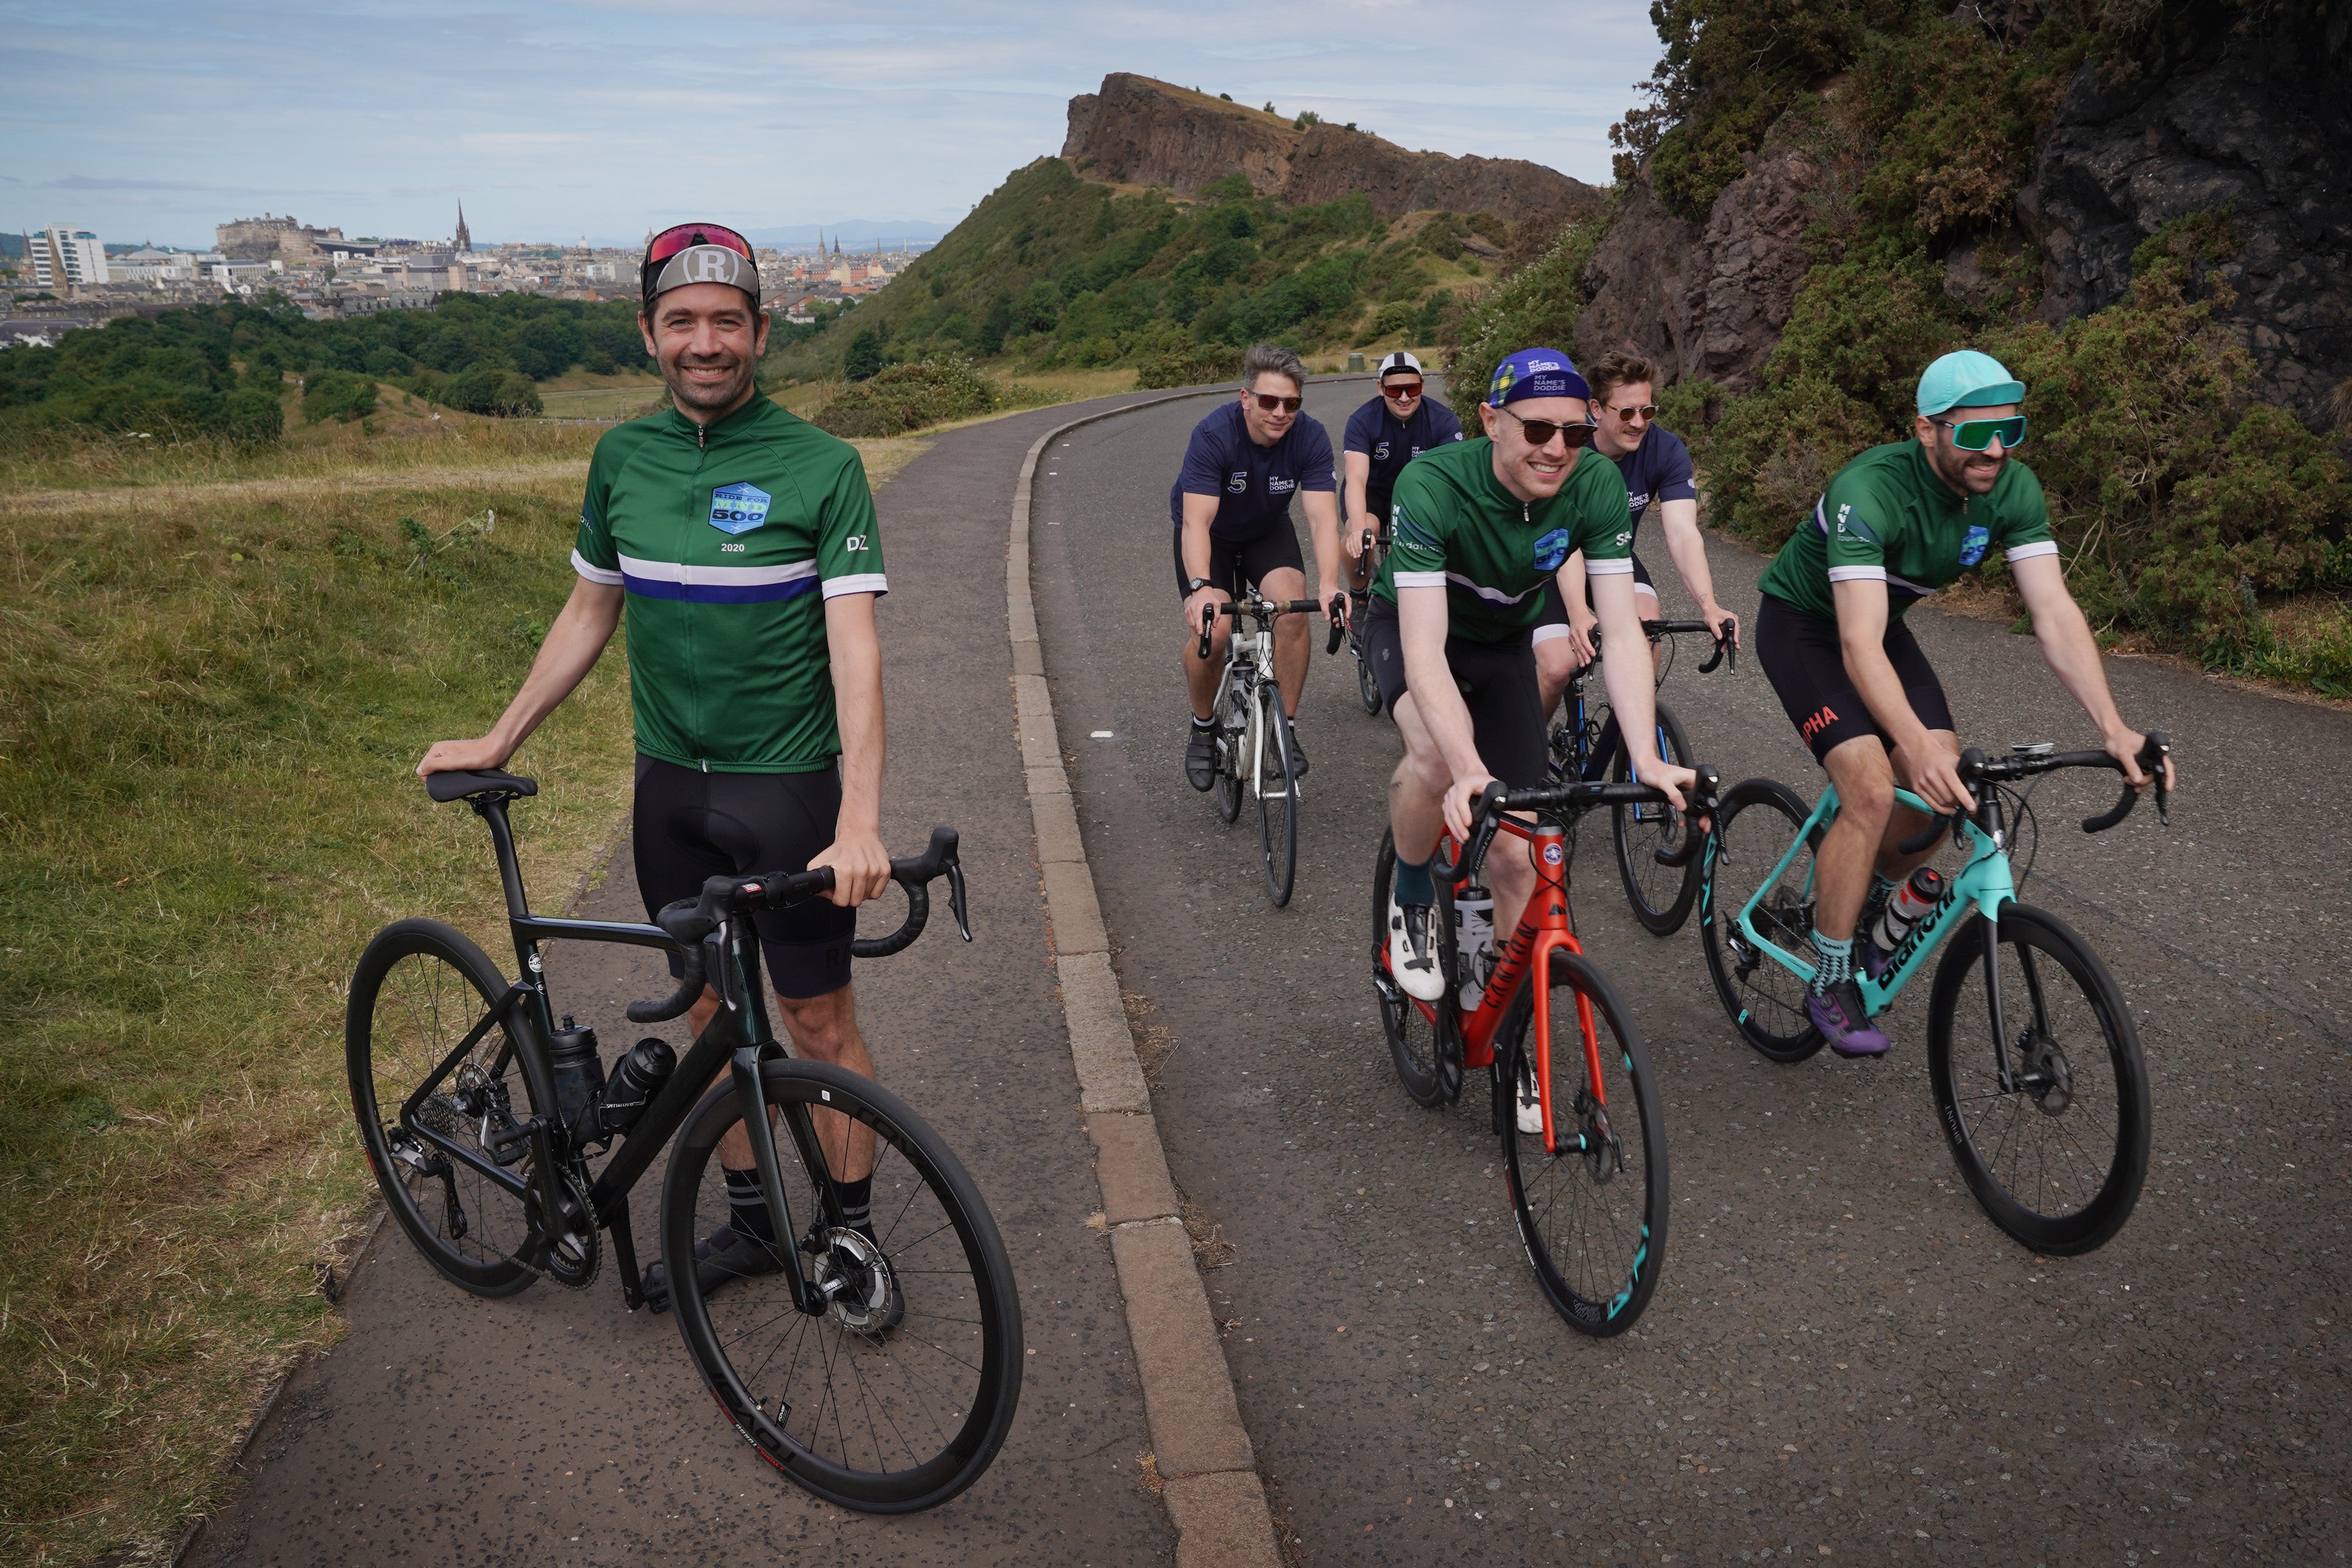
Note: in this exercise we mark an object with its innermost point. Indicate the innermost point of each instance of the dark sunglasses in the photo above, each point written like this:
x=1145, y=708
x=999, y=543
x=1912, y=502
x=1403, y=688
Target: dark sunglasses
x=1402, y=391
x=1645, y=412
x=1975, y=435
x=670, y=241
x=1539, y=432
x=1267, y=402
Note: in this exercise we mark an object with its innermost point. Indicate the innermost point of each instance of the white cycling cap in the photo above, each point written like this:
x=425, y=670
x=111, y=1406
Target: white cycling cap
x=1397, y=362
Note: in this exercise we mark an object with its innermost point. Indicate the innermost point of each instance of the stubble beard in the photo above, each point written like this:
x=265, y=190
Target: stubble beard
x=690, y=396
x=1952, y=464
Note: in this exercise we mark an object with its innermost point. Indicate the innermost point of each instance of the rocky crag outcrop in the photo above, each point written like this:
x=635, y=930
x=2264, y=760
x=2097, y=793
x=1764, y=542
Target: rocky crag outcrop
x=1137, y=131
x=2249, y=108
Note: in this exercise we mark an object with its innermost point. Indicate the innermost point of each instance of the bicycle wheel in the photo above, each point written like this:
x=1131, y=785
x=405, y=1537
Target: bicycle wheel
x=1368, y=685
x=1661, y=895
x=1760, y=820
x=1232, y=740
x=2057, y=1157
x=1421, y=1036
x=882, y=1414
x=1277, y=798
x=1591, y=1210
x=419, y=989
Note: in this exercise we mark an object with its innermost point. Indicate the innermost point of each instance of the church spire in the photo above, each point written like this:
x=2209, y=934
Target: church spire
x=461, y=240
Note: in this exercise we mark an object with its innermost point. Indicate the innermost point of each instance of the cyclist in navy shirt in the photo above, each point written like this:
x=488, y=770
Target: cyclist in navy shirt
x=1383, y=436
x=1230, y=507
x=1657, y=468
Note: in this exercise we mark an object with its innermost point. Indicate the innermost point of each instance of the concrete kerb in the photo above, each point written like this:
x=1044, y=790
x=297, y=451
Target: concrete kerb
x=1214, y=1494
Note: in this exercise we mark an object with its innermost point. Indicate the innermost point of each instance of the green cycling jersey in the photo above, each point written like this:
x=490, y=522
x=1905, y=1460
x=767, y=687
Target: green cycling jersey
x=1453, y=525
x=729, y=539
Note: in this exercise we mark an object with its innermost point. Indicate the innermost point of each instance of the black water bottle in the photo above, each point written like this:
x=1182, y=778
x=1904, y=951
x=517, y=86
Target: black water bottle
x=639, y=1077
x=579, y=1077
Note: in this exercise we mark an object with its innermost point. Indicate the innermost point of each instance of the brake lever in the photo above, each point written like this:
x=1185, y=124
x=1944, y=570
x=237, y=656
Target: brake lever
x=955, y=895
x=1208, y=619
x=1338, y=613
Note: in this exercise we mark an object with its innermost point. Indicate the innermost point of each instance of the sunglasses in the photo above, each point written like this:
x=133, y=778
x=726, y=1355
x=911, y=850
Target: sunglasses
x=1402, y=391
x=670, y=241
x=1644, y=411
x=1975, y=435
x=1267, y=403
x=1539, y=432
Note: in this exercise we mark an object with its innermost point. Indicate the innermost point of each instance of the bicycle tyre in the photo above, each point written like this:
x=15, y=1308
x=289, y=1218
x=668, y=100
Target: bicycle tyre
x=2085, y=1161
x=1368, y=685
x=957, y=1346
x=1420, y=1035
x=1764, y=1002
x=1597, y=1245
x=1662, y=895
x=419, y=987
x=1277, y=812
x=1232, y=740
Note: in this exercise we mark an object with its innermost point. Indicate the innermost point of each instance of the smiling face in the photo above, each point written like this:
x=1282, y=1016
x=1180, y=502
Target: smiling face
x=1622, y=422
x=1968, y=473
x=1528, y=471
x=707, y=337
x=1268, y=425
x=1402, y=392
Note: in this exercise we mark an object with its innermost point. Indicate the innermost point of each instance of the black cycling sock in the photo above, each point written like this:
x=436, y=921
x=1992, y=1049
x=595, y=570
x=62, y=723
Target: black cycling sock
x=747, y=1211
x=1413, y=883
x=857, y=1200
x=1835, y=965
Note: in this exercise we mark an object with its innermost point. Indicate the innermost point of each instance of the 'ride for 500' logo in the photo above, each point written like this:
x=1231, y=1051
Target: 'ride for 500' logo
x=739, y=508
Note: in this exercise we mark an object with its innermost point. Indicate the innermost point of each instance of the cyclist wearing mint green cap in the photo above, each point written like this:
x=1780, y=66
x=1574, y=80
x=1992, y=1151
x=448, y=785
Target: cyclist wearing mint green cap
x=1477, y=528
x=1895, y=525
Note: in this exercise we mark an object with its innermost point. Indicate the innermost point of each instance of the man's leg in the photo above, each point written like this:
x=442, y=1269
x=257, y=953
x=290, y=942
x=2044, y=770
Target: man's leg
x=1555, y=667
x=1865, y=778
x=1292, y=640
x=1416, y=816
x=1201, y=674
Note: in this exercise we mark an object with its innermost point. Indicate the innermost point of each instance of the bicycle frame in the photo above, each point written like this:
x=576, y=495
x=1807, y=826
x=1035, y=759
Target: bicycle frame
x=1985, y=881
x=737, y=1040
x=1249, y=660
x=1543, y=928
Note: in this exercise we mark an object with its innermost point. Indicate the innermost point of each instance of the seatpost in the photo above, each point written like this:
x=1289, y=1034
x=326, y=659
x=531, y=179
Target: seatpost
x=492, y=809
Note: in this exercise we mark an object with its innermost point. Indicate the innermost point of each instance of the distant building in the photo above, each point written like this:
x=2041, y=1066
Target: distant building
x=461, y=240
x=65, y=257
x=151, y=266
x=260, y=239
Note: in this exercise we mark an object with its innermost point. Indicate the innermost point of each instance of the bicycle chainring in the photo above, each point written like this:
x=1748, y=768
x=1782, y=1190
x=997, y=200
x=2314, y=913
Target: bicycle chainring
x=578, y=1251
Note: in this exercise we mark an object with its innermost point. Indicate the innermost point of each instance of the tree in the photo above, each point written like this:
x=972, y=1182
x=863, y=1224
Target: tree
x=863, y=359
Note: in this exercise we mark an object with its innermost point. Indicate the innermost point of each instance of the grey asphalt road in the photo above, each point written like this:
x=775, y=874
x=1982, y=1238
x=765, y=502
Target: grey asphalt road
x=555, y=1427
x=1845, y=1361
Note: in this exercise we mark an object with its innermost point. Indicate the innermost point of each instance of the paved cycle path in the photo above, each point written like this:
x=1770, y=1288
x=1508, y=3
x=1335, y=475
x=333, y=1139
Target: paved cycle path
x=555, y=1427
x=1846, y=1362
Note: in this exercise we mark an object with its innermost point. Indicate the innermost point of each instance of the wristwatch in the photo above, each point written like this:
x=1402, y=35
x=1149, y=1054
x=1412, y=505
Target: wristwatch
x=1196, y=584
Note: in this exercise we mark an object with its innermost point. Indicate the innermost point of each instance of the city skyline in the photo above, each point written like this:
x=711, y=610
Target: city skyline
x=554, y=122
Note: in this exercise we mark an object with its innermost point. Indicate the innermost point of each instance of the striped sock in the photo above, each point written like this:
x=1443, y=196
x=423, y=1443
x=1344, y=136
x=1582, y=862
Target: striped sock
x=747, y=1210
x=857, y=1200
x=1836, y=962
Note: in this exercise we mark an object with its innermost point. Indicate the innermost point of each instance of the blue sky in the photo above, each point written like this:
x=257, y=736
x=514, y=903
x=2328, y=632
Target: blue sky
x=553, y=118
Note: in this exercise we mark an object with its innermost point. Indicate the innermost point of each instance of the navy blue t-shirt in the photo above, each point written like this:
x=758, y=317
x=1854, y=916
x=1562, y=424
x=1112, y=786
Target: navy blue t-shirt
x=1657, y=470
x=1392, y=443
x=1253, y=484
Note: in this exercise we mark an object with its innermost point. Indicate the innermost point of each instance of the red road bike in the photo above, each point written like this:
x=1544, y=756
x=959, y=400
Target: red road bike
x=1584, y=1148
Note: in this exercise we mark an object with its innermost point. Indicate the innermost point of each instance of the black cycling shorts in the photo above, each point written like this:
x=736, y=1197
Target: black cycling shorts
x=1235, y=561
x=688, y=826
x=1497, y=682
x=1806, y=665
x=1553, y=622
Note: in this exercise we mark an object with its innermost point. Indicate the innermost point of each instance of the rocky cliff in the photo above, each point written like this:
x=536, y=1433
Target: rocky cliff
x=1137, y=131
x=2244, y=106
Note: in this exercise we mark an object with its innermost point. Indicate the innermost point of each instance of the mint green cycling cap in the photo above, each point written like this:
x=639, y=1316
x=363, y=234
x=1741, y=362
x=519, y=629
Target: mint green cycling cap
x=1967, y=379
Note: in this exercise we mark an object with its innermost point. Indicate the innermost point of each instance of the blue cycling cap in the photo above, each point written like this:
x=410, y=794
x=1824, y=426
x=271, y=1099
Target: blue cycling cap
x=1536, y=373
x=1968, y=380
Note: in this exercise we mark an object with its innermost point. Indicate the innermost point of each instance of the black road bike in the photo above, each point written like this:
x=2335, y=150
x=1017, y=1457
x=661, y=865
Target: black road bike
x=879, y=1367
x=1587, y=746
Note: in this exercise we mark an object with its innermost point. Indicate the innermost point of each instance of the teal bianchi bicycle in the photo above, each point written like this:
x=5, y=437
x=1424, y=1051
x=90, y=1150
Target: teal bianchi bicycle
x=2031, y=1057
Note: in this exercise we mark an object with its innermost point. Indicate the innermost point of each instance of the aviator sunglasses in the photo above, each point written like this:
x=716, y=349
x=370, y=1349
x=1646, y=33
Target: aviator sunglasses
x=1539, y=432
x=1267, y=402
x=1975, y=435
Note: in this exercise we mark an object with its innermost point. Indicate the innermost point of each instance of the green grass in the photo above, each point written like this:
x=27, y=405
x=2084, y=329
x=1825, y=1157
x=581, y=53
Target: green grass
x=208, y=718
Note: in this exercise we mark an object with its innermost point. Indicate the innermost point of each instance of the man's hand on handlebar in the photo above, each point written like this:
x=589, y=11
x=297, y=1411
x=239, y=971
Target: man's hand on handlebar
x=2125, y=746
x=462, y=756
x=1579, y=635
x=1461, y=803
x=861, y=868
x=1933, y=770
x=1660, y=774
x=1725, y=625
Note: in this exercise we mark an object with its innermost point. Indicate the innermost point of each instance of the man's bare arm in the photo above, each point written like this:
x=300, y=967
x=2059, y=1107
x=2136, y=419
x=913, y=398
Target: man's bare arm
x=565, y=657
x=1356, y=470
x=1323, y=531
x=861, y=866
x=1687, y=546
x=2072, y=654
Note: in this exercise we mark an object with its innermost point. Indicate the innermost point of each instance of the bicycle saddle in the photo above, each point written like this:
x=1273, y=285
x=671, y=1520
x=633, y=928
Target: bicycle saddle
x=446, y=787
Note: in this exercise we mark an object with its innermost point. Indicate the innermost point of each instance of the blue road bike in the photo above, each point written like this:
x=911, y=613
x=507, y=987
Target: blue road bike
x=2031, y=1057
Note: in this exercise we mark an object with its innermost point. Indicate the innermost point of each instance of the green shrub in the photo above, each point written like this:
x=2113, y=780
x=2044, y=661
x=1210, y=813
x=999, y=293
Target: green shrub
x=1191, y=367
x=907, y=397
x=501, y=394
x=336, y=394
x=1538, y=305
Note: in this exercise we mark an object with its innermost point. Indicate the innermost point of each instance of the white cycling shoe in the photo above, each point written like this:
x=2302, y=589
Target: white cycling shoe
x=1412, y=951
x=1529, y=1109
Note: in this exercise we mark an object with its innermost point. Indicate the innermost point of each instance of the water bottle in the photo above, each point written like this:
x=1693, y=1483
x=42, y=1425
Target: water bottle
x=641, y=1076
x=1908, y=907
x=1475, y=922
x=579, y=1077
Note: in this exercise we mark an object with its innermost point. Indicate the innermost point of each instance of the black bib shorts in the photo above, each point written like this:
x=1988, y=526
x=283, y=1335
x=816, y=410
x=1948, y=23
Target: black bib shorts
x=1497, y=682
x=1806, y=664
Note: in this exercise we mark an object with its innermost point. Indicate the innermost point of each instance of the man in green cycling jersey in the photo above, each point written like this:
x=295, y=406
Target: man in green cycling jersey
x=741, y=542
x=1895, y=524
x=1475, y=529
